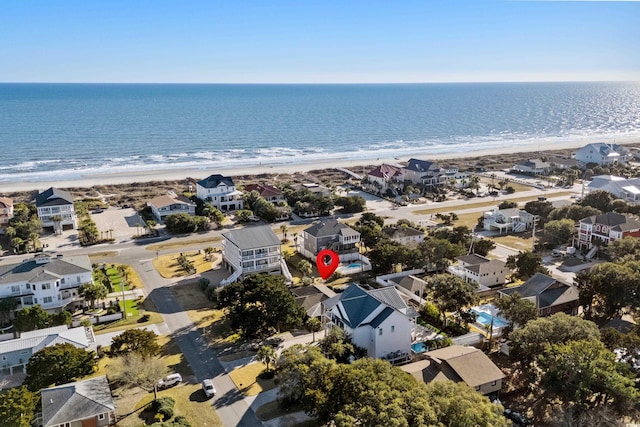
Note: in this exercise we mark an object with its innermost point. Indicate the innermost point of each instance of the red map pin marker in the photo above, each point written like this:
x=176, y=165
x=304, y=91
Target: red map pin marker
x=327, y=261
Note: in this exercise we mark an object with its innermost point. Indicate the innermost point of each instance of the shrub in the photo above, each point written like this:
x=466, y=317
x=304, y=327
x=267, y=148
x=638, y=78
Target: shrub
x=430, y=311
x=164, y=407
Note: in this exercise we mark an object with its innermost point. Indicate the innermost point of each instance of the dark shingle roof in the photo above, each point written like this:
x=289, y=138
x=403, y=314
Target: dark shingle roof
x=265, y=190
x=53, y=197
x=473, y=259
x=30, y=271
x=613, y=219
x=399, y=232
x=76, y=401
x=329, y=227
x=532, y=287
x=214, y=180
x=252, y=237
x=419, y=165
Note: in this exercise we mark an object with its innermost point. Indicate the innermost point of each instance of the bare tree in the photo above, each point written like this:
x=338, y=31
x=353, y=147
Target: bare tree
x=135, y=371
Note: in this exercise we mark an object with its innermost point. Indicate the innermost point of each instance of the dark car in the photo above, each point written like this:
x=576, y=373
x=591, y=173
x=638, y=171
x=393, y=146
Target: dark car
x=517, y=418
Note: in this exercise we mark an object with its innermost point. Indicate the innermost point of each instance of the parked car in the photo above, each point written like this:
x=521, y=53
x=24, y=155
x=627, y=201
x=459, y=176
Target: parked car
x=97, y=211
x=169, y=381
x=517, y=418
x=208, y=388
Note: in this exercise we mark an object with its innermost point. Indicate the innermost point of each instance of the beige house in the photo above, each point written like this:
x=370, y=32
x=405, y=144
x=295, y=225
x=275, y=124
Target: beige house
x=6, y=212
x=406, y=236
x=475, y=268
x=458, y=363
x=170, y=203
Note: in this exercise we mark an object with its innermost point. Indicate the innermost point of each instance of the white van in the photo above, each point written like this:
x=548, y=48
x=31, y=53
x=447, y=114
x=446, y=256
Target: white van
x=169, y=381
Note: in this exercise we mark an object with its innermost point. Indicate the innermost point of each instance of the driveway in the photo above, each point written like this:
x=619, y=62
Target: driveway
x=119, y=224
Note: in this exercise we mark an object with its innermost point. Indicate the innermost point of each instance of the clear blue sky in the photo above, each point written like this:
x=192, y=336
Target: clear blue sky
x=317, y=41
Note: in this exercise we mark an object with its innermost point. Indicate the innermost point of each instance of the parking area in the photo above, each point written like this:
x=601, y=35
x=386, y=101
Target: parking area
x=118, y=224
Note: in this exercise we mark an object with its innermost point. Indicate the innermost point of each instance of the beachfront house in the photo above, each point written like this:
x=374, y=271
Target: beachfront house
x=459, y=364
x=220, y=191
x=600, y=230
x=6, y=212
x=475, y=268
x=627, y=189
x=508, y=220
x=561, y=163
x=86, y=403
x=602, y=154
x=329, y=234
x=549, y=295
x=170, y=203
x=423, y=172
x=251, y=250
x=382, y=177
x=54, y=203
x=50, y=281
x=15, y=353
x=378, y=320
x=532, y=167
x=404, y=235
x=267, y=191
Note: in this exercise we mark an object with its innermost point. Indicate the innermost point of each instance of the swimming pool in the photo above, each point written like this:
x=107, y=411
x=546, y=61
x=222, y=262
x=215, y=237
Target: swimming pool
x=419, y=347
x=485, y=319
x=354, y=265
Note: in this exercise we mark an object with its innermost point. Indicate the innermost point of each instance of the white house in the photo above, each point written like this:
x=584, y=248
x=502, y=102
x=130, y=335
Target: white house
x=532, y=167
x=404, y=235
x=329, y=234
x=251, y=250
x=619, y=187
x=378, y=320
x=602, y=154
x=55, y=202
x=15, y=353
x=220, y=191
x=170, y=203
x=506, y=220
x=475, y=268
x=51, y=282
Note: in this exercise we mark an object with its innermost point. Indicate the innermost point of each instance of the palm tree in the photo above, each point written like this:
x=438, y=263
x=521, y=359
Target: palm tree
x=284, y=230
x=305, y=268
x=57, y=221
x=208, y=252
x=33, y=238
x=16, y=244
x=313, y=325
x=266, y=354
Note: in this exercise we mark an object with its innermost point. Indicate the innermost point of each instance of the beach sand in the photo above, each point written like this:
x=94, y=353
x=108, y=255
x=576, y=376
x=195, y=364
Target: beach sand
x=493, y=158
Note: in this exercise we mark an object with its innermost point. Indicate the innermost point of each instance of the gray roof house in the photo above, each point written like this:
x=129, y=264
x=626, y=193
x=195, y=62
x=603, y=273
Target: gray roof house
x=49, y=281
x=311, y=297
x=328, y=234
x=602, y=154
x=15, y=353
x=220, y=191
x=82, y=403
x=458, y=363
x=621, y=188
x=54, y=202
x=532, y=167
x=404, y=235
x=474, y=268
x=251, y=250
x=378, y=320
x=549, y=295
x=170, y=203
x=600, y=230
x=422, y=172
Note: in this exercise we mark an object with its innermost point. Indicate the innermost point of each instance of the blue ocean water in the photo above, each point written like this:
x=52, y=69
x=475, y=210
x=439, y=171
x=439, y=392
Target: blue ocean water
x=61, y=131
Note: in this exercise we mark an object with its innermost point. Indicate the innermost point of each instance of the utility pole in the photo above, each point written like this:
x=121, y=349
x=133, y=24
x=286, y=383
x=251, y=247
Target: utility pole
x=533, y=233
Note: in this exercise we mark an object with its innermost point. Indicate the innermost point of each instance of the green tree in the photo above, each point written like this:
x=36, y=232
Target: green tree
x=516, y=311
x=574, y=212
x=507, y=204
x=541, y=209
x=31, y=318
x=283, y=230
x=585, y=373
x=483, y=246
x=305, y=268
x=559, y=232
x=598, y=199
x=526, y=264
x=537, y=334
x=371, y=219
x=438, y=253
x=351, y=204
x=338, y=346
x=140, y=341
x=625, y=247
x=267, y=355
x=450, y=293
x=260, y=305
x=58, y=364
x=7, y=305
x=313, y=325
x=93, y=292
x=17, y=407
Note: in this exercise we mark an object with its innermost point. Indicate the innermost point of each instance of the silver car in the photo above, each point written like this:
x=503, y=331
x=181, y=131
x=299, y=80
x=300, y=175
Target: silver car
x=169, y=381
x=208, y=388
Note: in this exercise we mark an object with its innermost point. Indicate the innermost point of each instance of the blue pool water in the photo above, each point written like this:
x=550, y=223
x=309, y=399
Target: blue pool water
x=419, y=347
x=356, y=265
x=485, y=319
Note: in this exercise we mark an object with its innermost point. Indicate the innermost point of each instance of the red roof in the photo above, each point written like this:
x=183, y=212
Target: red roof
x=265, y=190
x=385, y=171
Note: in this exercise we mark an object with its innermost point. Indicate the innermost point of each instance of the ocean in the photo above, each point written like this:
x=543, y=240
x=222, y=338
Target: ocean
x=63, y=131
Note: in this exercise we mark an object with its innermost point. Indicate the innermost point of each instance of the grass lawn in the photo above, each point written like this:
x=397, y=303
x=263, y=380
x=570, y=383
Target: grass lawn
x=469, y=219
x=132, y=308
x=175, y=245
x=247, y=381
x=520, y=242
x=132, y=321
x=167, y=265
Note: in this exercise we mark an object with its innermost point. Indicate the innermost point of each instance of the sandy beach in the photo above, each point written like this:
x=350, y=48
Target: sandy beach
x=358, y=166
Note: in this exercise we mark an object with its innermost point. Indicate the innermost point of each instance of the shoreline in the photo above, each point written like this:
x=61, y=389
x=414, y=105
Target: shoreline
x=356, y=165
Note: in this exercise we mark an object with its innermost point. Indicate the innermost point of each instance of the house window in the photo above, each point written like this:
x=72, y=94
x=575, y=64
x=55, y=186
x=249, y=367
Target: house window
x=393, y=328
x=101, y=416
x=494, y=383
x=4, y=358
x=47, y=300
x=78, y=280
x=15, y=288
x=46, y=286
x=24, y=352
x=380, y=331
x=478, y=388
